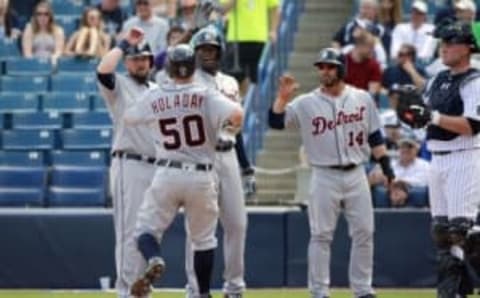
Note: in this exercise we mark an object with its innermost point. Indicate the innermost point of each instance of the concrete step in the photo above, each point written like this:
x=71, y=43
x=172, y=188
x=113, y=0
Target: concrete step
x=277, y=196
x=274, y=159
x=325, y=5
x=276, y=183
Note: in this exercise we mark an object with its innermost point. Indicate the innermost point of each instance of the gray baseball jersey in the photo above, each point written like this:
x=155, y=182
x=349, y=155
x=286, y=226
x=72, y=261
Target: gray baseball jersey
x=184, y=120
x=127, y=138
x=334, y=131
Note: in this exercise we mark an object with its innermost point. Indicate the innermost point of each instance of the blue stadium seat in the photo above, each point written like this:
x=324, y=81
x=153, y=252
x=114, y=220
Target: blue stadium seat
x=22, y=186
x=9, y=48
x=28, y=67
x=66, y=102
x=92, y=120
x=78, y=158
x=74, y=82
x=78, y=186
x=67, y=7
x=3, y=121
x=98, y=103
x=418, y=196
x=24, y=84
x=22, y=158
x=28, y=139
x=86, y=139
x=18, y=102
x=74, y=64
x=37, y=120
x=69, y=23
x=380, y=197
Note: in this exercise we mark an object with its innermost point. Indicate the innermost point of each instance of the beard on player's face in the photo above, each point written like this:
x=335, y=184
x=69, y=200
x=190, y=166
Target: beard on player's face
x=329, y=80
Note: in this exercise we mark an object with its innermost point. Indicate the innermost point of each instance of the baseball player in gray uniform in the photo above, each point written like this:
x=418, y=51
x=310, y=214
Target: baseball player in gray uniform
x=185, y=119
x=133, y=151
x=208, y=45
x=451, y=111
x=340, y=128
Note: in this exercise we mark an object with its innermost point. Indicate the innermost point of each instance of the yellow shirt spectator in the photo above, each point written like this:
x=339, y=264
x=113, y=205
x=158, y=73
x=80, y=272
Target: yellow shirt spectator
x=249, y=20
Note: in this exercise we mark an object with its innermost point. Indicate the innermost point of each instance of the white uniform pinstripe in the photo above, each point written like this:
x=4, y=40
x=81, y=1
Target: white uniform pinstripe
x=453, y=186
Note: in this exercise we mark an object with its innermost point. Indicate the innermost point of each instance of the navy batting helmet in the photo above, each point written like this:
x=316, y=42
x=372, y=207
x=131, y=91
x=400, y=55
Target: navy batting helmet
x=181, y=61
x=332, y=56
x=139, y=50
x=208, y=36
x=451, y=31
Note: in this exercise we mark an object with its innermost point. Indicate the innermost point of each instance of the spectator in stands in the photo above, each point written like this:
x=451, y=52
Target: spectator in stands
x=465, y=10
x=165, y=8
x=405, y=70
x=389, y=15
x=250, y=26
x=43, y=38
x=90, y=40
x=378, y=53
x=410, y=171
x=362, y=70
x=113, y=17
x=392, y=130
x=174, y=35
x=368, y=10
x=417, y=32
x=155, y=27
x=9, y=24
x=186, y=14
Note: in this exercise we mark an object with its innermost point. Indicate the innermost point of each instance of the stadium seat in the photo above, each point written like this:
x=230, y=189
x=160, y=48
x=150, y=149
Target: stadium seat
x=18, y=102
x=28, y=67
x=37, y=120
x=67, y=7
x=22, y=158
x=86, y=139
x=380, y=197
x=78, y=186
x=22, y=186
x=3, y=121
x=98, y=103
x=78, y=158
x=418, y=197
x=73, y=64
x=74, y=82
x=28, y=139
x=69, y=23
x=9, y=48
x=66, y=102
x=24, y=84
x=92, y=120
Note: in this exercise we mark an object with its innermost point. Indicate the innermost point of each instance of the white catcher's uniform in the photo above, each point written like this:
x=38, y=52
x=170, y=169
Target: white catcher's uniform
x=184, y=122
x=233, y=215
x=129, y=178
x=335, y=135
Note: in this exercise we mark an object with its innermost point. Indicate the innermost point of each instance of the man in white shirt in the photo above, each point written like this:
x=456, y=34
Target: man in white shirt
x=417, y=32
x=155, y=28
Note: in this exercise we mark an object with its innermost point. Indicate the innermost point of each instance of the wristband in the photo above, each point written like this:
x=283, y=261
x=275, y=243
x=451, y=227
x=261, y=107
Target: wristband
x=387, y=170
x=123, y=45
x=435, y=118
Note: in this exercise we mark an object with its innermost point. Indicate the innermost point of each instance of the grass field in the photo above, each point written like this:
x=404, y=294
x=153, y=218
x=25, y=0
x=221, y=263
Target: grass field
x=279, y=293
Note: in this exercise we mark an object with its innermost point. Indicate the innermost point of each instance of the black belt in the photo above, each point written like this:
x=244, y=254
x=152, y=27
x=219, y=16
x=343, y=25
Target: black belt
x=224, y=146
x=133, y=156
x=181, y=165
x=348, y=167
x=442, y=152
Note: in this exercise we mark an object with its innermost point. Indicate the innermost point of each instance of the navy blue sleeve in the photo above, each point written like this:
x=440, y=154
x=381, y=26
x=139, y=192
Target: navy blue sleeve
x=107, y=80
x=276, y=120
x=240, y=150
x=376, y=139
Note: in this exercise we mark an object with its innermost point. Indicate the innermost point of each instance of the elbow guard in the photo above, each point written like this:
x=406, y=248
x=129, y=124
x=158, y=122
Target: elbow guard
x=474, y=125
x=276, y=120
x=387, y=170
x=375, y=139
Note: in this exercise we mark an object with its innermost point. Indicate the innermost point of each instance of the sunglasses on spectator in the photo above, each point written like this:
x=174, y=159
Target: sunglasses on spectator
x=403, y=54
x=42, y=13
x=323, y=66
x=142, y=3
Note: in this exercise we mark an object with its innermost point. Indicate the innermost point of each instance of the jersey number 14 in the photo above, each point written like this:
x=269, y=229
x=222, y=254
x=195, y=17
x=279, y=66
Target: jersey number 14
x=190, y=124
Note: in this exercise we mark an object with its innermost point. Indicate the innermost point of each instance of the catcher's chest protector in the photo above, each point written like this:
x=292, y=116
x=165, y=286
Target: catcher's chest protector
x=444, y=96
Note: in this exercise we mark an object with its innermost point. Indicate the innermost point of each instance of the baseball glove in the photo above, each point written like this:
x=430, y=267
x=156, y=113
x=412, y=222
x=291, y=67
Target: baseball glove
x=412, y=110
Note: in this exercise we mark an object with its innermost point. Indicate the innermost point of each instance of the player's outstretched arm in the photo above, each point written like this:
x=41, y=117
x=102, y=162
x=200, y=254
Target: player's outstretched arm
x=109, y=62
x=286, y=89
x=380, y=154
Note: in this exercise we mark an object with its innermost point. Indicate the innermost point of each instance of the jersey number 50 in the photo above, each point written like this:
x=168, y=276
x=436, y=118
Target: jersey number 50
x=189, y=123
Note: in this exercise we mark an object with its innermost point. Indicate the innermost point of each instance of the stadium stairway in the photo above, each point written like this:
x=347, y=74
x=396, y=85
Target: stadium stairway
x=280, y=154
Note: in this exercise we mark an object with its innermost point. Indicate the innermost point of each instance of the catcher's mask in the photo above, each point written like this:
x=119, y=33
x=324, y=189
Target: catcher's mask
x=332, y=56
x=181, y=61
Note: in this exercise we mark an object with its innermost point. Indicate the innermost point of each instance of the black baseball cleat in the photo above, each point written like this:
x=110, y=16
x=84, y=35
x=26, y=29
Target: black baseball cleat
x=143, y=286
x=368, y=296
x=239, y=295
